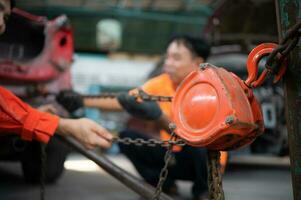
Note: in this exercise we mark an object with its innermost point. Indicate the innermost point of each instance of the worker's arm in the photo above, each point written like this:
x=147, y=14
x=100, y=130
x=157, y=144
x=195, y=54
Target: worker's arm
x=20, y=118
x=141, y=109
x=107, y=104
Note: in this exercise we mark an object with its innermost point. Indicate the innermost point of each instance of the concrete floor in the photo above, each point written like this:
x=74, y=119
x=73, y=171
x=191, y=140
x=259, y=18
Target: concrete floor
x=241, y=182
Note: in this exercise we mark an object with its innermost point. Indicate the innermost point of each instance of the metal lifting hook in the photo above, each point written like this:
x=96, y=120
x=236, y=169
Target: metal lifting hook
x=252, y=65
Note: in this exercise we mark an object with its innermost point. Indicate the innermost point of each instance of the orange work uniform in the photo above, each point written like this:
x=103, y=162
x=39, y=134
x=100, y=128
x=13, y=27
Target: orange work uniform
x=20, y=118
x=162, y=85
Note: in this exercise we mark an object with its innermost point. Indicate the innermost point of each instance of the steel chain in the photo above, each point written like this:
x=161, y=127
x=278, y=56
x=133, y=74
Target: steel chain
x=146, y=97
x=280, y=53
x=168, y=155
x=167, y=159
x=214, y=176
x=149, y=142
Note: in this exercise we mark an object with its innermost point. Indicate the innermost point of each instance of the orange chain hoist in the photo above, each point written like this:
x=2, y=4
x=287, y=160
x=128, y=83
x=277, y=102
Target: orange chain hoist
x=214, y=108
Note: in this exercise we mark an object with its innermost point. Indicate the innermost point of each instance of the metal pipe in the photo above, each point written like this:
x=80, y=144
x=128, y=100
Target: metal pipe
x=289, y=12
x=140, y=187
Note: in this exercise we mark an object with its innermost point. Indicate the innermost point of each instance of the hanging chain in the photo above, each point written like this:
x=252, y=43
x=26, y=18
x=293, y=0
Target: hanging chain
x=167, y=159
x=214, y=176
x=43, y=170
x=279, y=54
x=151, y=142
x=168, y=155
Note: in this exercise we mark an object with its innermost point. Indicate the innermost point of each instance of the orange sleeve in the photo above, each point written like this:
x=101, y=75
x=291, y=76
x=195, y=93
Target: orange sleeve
x=161, y=86
x=18, y=117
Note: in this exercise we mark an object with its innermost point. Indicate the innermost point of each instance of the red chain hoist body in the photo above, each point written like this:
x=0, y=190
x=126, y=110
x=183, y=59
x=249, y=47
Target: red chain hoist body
x=214, y=108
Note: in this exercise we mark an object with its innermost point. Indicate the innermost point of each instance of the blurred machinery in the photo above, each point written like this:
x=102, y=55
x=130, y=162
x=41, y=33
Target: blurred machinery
x=35, y=59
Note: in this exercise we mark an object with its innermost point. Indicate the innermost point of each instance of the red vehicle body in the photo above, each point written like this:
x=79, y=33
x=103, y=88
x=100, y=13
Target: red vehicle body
x=35, y=58
x=35, y=50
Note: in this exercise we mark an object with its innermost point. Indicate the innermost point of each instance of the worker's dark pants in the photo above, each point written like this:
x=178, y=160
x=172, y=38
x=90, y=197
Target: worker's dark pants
x=190, y=163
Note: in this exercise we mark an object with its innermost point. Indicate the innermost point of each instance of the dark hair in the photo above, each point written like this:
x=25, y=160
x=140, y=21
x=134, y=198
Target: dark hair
x=12, y=3
x=197, y=46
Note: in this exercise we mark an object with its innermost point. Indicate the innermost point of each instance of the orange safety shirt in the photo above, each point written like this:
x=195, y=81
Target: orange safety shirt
x=20, y=118
x=162, y=86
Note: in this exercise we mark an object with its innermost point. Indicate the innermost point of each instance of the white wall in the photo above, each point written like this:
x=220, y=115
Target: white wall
x=93, y=69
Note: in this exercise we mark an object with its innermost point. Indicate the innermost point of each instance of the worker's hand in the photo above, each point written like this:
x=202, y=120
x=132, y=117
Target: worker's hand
x=148, y=110
x=86, y=131
x=70, y=100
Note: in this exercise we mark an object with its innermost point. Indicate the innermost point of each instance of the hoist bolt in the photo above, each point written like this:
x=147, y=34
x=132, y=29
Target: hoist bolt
x=172, y=126
x=203, y=66
x=229, y=119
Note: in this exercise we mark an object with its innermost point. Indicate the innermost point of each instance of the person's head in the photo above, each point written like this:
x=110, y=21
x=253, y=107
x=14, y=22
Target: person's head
x=5, y=10
x=184, y=54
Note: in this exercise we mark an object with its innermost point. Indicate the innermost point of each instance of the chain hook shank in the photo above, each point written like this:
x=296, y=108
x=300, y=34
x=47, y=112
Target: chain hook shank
x=252, y=65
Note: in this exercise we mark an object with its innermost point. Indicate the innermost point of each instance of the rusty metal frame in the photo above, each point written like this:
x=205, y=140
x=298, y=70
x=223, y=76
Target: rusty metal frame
x=288, y=13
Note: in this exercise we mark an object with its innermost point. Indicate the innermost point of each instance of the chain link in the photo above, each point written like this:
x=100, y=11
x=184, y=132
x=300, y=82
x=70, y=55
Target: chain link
x=146, y=97
x=279, y=54
x=149, y=142
x=214, y=176
x=167, y=159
